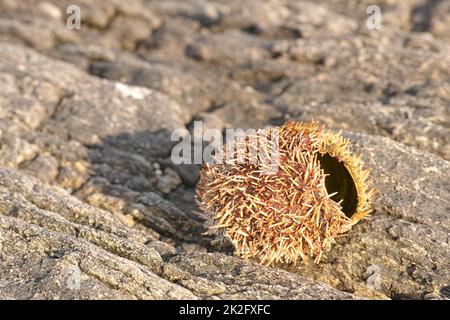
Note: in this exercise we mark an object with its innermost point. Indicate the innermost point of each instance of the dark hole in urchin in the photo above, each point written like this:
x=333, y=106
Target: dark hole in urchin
x=339, y=180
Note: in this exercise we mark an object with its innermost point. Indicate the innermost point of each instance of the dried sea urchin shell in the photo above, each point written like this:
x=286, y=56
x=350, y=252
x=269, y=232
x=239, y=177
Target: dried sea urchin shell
x=318, y=192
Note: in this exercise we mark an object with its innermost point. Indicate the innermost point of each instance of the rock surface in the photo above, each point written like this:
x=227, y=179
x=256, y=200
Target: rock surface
x=91, y=205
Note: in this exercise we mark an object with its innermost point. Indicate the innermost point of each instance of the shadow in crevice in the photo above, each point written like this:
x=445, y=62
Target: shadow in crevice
x=134, y=177
x=421, y=16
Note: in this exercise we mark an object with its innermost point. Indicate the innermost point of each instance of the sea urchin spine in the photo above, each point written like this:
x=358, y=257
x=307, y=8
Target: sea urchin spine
x=318, y=191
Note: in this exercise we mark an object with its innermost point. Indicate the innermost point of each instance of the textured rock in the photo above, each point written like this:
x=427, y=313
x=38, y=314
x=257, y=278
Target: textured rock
x=91, y=205
x=50, y=237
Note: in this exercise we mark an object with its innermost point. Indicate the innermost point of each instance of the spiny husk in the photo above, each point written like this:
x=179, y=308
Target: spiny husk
x=285, y=216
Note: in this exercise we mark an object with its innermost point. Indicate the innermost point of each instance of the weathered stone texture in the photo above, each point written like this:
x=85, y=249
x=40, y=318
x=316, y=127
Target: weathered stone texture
x=87, y=186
